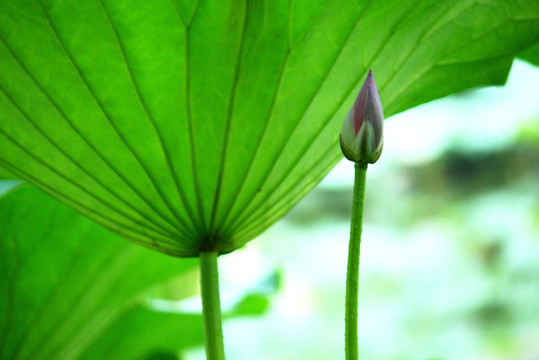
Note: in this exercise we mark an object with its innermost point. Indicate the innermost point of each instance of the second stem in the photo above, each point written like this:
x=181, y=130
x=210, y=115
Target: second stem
x=352, y=272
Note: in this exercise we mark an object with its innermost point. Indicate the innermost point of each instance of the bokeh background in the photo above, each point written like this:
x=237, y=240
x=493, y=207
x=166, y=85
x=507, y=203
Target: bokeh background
x=450, y=252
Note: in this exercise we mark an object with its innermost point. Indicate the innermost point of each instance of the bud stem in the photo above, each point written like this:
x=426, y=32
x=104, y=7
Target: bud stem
x=352, y=274
x=211, y=306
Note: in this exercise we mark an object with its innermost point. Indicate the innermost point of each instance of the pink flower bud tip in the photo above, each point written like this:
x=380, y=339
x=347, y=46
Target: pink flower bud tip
x=362, y=130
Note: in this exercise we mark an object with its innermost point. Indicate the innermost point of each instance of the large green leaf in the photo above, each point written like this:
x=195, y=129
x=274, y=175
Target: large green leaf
x=140, y=332
x=65, y=279
x=189, y=125
x=531, y=55
x=4, y=174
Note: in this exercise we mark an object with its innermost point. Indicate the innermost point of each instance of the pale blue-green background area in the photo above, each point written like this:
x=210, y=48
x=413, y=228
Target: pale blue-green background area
x=450, y=254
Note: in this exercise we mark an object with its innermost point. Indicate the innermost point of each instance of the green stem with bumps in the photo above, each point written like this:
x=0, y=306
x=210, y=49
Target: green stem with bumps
x=352, y=274
x=211, y=306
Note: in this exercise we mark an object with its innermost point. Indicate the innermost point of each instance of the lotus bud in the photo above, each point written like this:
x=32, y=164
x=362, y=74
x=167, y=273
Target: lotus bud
x=362, y=131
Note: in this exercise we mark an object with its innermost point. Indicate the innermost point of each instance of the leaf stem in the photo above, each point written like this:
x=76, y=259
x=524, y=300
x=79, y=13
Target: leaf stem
x=352, y=274
x=211, y=306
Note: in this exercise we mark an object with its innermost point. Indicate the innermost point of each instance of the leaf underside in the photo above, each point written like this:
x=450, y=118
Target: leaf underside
x=194, y=125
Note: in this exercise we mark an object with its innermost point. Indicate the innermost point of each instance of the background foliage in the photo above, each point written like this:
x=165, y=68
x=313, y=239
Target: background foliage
x=68, y=280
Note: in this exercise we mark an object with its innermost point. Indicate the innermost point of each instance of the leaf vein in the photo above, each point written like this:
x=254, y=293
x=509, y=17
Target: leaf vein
x=106, y=115
x=164, y=233
x=224, y=151
x=275, y=160
x=77, y=164
x=154, y=126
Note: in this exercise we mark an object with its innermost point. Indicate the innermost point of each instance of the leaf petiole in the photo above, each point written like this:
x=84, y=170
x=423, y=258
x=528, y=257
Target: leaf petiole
x=211, y=306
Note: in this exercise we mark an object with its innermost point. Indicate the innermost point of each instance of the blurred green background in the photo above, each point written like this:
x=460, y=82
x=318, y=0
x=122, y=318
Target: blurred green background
x=450, y=253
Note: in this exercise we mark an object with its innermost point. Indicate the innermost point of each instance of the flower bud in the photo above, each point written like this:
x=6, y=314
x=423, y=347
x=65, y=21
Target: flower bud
x=362, y=130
